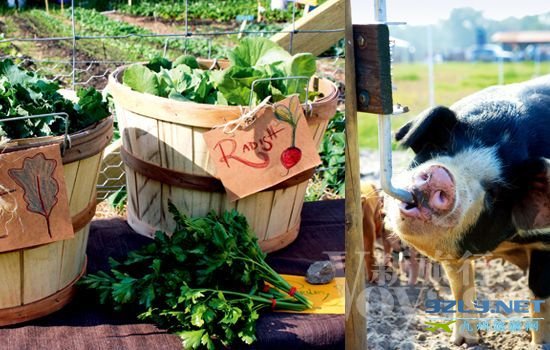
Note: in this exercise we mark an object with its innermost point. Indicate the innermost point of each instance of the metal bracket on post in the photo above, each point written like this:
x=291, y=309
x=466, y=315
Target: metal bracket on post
x=374, y=94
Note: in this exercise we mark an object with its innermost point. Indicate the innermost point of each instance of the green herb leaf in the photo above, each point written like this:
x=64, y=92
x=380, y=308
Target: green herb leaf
x=191, y=339
x=302, y=64
x=187, y=60
x=250, y=50
x=91, y=107
x=237, y=82
x=23, y=93
x=193, y=281
x=157, y=63
x=141, y=79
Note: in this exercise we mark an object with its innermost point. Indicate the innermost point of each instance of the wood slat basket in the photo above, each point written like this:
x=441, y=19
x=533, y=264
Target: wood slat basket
x=40, y=280
x=166, y=159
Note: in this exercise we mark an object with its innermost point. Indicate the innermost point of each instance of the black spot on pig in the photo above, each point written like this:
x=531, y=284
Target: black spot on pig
x=487, y=233
x=539, y=274
x=498, y=221
x=430, y=134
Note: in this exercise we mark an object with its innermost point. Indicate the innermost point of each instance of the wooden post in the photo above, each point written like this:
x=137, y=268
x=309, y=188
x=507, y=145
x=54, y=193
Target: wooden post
x=373, y=69
x=259, y=14
x=356, y=322
x=327, y=16
x=47, y=5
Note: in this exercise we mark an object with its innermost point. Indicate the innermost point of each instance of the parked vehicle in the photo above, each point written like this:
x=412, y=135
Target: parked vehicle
x=488, y=53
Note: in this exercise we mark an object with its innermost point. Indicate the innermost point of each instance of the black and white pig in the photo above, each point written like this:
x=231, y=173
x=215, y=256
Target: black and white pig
x=480, y=181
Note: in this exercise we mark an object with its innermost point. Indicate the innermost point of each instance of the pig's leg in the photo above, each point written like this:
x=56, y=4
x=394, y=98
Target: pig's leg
x=461, y=278
x=369, y=235
x=413, y=267
x=387, y=248
x=539, y=282
x=542, y=334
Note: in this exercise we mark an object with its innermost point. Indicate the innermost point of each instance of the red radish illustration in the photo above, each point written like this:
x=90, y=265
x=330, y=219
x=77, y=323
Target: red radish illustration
x=292, y=155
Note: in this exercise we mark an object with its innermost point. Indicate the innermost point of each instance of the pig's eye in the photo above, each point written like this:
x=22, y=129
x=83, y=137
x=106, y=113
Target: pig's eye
x=490, y=194
x=425, y=177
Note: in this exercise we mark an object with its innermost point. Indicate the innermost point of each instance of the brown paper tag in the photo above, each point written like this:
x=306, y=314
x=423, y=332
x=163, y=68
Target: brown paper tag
x=277, y=146
x=34, y=208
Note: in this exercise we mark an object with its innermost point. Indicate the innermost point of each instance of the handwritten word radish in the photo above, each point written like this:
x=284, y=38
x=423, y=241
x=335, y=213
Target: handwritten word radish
x=228, y=147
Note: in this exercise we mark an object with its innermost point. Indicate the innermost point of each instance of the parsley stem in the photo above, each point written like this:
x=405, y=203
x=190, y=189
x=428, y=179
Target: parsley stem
x=280, y=304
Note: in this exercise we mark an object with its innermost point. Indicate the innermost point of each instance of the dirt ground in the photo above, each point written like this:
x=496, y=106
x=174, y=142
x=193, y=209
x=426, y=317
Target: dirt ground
x=88, y=70
x=395, y=310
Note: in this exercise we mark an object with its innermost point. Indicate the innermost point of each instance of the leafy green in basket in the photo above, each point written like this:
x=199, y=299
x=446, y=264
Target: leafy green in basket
x=24, y=93
x=188, y=60
x=207, y=282
x=253, y=59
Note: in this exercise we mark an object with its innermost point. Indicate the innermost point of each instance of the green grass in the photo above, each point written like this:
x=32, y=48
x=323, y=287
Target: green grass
x=453, y=81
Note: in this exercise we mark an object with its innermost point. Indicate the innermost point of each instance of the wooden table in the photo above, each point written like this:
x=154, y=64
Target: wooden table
x=84, y=324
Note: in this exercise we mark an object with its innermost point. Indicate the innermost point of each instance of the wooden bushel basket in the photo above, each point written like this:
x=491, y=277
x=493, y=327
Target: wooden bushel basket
x=40, y=280
x=166, y=158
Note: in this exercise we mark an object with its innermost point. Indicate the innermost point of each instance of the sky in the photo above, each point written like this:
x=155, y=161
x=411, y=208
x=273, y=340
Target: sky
x=416, y=12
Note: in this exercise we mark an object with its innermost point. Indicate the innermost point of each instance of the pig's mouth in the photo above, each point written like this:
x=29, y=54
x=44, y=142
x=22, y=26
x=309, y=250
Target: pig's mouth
x=433, y=192
x=415, y=204
x=415, y=209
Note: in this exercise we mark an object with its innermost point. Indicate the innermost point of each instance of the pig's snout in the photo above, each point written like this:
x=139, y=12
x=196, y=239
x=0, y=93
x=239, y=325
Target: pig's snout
x=433, y=190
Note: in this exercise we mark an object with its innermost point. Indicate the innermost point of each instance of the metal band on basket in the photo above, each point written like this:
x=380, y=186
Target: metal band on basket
x=83, y=218
x=80, y=145
x=194, y=182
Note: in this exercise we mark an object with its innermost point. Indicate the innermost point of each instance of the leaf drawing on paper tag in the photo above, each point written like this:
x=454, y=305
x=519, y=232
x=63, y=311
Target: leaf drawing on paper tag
x=290, y=115
x=39, y=186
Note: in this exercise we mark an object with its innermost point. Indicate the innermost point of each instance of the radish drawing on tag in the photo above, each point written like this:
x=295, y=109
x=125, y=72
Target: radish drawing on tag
x=292, y=155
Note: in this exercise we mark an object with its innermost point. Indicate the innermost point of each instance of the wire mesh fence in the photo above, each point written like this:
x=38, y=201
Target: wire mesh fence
x=81, y=57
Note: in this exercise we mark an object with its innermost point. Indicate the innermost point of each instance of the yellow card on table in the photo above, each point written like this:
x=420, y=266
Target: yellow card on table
x=326, y=298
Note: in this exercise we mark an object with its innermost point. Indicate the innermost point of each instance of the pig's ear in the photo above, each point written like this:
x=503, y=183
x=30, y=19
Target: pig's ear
x=432, y=127
x=533, y=211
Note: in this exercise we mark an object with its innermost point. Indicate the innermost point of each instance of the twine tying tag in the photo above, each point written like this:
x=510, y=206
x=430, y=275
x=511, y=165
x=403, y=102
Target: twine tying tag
x=8, y=209
x=246, y=119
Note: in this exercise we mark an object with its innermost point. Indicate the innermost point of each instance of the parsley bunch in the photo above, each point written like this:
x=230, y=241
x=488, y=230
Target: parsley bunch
x=206, y=282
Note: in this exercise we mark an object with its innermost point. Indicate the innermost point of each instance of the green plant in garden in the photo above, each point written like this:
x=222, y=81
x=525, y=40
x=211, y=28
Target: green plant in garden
x=253, y=59
x=330, y=177
x=218, y=11
x=23, y=93
x=91, y=22
x=206, y=282
x=332, y=155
